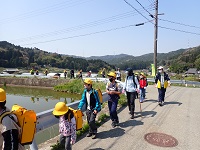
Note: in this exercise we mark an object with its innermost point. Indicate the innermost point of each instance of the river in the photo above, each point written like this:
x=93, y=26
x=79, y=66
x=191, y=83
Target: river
x=37, y=99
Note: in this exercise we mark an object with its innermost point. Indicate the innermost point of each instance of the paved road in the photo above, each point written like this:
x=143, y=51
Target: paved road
x=179, y=117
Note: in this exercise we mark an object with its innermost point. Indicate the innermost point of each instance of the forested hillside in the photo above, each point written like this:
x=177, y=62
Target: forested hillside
x=12, y=56
x=15, y=56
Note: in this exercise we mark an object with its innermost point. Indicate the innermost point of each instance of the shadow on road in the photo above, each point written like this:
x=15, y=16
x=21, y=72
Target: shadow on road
x=171, y=103
x=145, y=114
x=116, y=132
x=96, y=149
x=130, y=123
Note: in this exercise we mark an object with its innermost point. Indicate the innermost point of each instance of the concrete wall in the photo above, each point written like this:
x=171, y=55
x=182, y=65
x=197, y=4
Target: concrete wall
x=50, y=82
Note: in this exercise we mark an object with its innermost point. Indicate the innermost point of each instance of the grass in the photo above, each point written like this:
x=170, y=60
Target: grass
x=76, y=86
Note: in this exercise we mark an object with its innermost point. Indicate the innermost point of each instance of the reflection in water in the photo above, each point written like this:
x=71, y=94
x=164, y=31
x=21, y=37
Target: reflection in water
x=37, y=99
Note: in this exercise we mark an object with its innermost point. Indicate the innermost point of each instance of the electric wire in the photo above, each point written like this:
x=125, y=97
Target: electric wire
x=136, y=10
x=83, y=26
x=42, y=11
x=87, y=34
x=179, y=30
x=179, y=23
x=145, y=9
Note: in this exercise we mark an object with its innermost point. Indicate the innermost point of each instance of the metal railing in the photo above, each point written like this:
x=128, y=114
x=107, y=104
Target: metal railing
x=46, y=119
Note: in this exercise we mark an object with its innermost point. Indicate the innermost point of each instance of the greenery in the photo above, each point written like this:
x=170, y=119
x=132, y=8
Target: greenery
x=76, y=86
x=12, y=56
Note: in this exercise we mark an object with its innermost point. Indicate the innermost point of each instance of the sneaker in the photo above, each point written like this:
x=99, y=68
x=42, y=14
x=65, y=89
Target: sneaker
x=113, y=124
x=159, y=103
x=117, y=123
x=89, y=135
x=94, y=136
x=163, y=102
x=132, y=116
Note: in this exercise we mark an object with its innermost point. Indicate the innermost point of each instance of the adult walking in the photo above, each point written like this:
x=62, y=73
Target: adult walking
x=118, y=74
x=131, y=87
x=162, y=81
x=113, y=90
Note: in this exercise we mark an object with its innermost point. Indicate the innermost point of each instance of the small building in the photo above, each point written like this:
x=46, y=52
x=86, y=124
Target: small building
x=192, y=71
x=11, y=71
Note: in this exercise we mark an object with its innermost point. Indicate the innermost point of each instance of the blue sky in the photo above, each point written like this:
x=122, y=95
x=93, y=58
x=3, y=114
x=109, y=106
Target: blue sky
x=99, y=27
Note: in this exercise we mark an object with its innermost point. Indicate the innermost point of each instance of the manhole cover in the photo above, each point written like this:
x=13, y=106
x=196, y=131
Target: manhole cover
x=161, y=139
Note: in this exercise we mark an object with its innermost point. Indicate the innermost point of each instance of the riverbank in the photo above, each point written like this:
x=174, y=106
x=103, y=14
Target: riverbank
x=32, y=82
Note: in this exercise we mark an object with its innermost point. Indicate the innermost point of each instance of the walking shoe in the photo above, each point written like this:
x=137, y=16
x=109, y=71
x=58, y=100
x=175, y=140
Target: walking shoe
x=132, y=116
x=89, y=135
x=159, y=103
x=94, y=136
x=117, y=123
x=113, y=124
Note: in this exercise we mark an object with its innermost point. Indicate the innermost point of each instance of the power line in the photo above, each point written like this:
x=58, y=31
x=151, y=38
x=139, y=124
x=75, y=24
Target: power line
x=87, y=34
x=180, y=23
x=145, y=9
x=42, y=11
x=179, y=30
x=136, y=10
x=83, y=26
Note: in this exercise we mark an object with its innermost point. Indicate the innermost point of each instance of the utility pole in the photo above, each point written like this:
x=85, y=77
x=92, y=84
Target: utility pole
x=155, y=35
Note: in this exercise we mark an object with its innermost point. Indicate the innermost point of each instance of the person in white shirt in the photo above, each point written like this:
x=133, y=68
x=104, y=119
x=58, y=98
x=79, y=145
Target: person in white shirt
x=131, y=87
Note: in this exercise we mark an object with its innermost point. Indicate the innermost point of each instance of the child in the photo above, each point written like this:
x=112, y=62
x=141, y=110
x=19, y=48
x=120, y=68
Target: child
x=143, y=84
x=113, y=91
x=67, y=125
x=91, y=99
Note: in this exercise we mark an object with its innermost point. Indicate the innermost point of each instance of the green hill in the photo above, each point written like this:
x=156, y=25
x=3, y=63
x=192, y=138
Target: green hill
x=12, y=56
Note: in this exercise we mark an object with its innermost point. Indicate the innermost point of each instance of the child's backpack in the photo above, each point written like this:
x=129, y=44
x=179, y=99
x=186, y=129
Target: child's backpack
x=100, y=95
x=26, y=123
x=78, y=115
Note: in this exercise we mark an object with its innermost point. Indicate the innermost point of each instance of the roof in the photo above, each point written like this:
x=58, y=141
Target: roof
x=192, y=71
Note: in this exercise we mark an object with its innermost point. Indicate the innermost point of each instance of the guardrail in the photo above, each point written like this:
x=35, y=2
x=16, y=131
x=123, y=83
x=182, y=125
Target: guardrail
x=46, y=119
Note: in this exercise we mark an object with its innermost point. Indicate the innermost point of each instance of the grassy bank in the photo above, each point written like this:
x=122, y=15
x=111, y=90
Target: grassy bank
x=76, y=86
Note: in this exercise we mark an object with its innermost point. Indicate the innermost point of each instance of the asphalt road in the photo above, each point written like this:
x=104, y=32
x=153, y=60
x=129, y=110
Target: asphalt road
x=179, y=118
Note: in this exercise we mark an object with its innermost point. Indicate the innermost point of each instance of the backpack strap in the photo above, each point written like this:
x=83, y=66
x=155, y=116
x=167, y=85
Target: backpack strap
x=133, y=80
x=5, y=114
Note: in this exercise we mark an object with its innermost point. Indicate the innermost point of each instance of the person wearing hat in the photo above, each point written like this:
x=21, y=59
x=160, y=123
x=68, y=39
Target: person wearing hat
x=8, y=128
x=143, y=84
x=91, y=99
x=113, y=91
x=118, y=74
x=162, y=81
x=67, y=125
x=65, y=74
x=131, y=87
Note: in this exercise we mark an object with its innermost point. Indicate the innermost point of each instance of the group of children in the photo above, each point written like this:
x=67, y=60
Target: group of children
x=133, y=85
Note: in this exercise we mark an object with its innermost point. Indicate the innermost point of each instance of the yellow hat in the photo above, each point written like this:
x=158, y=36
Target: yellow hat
x=136, y=73
x=88, y=81
x=142, y=73
x=2, y=95
x=112, y=74
x=60, y=109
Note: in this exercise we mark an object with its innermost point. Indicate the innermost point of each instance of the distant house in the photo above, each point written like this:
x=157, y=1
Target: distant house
x=192, y=71
x=11, y=71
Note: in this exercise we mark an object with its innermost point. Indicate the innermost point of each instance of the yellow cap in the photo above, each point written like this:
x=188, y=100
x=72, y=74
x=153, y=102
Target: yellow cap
x=60, y=109
x=2, y=95
x=142, y=73
x=88, y=81
x=112, y=74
